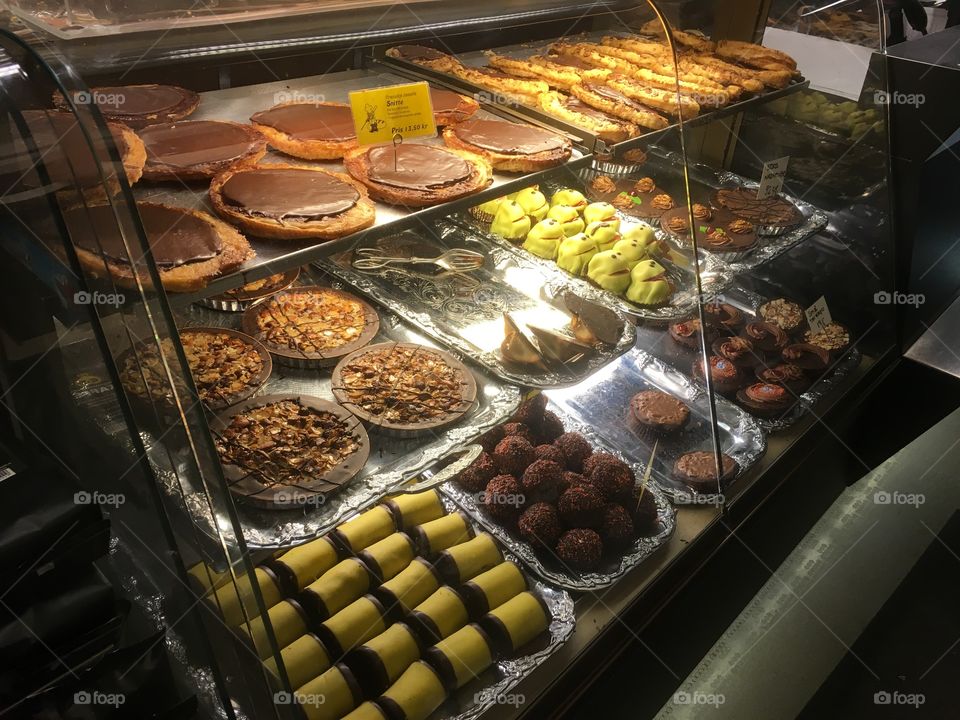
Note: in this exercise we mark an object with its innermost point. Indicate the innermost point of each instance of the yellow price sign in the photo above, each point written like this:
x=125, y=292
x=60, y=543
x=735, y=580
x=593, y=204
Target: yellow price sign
x=380, y=114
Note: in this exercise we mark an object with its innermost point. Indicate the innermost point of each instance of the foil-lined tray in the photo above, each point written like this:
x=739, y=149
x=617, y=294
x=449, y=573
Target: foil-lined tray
x=553, y=570
x=714, y=275
x=602, y=402
x=658, y=342
x=391, y=460
x=464, y=311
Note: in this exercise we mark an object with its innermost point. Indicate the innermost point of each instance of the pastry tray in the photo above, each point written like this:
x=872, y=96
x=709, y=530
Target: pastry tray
x=658, y=342
x=602, y=402
x=391, y=459
x=238, y=104
x=555, y=571
x=464, y=311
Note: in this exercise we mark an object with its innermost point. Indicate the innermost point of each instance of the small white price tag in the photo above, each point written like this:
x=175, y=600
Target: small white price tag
x=818, y=315
x=6, y=472
x=771, y=182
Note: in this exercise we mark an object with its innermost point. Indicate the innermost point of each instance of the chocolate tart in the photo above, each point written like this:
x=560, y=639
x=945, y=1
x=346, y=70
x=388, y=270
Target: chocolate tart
x=241, y=298
x=198, y=149
x=765, y=336
x=311, y=131
x=698, y=470
x=404, y=389
x=138, y=105
x=765, y=399
x=297, y=325
x=726, y=376
x=772, y=216
x=450, y=108
x=811, y=358
x=510, y=147
x=659, y=412
x=834, y=338
x=227, y=367
x=785, y=314
x=189, y=247
x=277, y=472
x=417, y=175
x=740, y=351
x=291, y=202
x=424, y=56
x=677, y=222
x=790, y=376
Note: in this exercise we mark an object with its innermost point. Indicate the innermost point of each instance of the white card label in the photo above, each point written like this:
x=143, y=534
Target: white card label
x=771, y=182
x=818, y=315
x=6, y=472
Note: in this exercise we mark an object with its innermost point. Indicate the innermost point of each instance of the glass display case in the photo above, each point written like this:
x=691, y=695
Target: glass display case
x=407, y=425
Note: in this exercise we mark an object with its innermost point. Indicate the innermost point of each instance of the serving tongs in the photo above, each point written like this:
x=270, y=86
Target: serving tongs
x=431, y=478
x=455, y=260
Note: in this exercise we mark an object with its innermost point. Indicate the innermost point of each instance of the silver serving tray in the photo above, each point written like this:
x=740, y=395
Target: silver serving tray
x=392, y=460
x=465, y=312
x=658, y=342
x=602, y=402
x=555, y=572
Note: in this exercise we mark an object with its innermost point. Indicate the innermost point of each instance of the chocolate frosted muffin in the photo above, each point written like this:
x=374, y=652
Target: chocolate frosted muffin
x=575, y=448
x=513, y=455
x=699, y=470
x=834, y=338
x=616, y=527
x=737, y=350
x=519, y=429
x=687, y=333
x=789, y=376
x=811, y=358
x=503, y=498
x=551, y=427
x=726, y=376
x=478, y=474
x=723, y=315
x=539, y=525
x=541, y=481
x=765, y=336
x=580, y=548
x=785, y=314
x=551, y=452
x=659, y=412
x=581, y=507
x=765, y=400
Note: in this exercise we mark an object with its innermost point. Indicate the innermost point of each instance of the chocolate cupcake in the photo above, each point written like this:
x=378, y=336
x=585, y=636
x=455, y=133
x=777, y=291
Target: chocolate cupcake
x=475, y=477
x=722, y=315
x=834, y=338
x=541, y=481
x=765, y=336
x=737, y=350
x=616, y=527
x=687, y=333
x=812, y=358
x=513, y=455
x=575, y=448
x=580, y=548
x=765, y=400
x=698, y=469
x=785, y=314
x=581, y=507
x=539, y=525
x=659, y=412
x=727, y=378
x=789, y=376
x=503, y=498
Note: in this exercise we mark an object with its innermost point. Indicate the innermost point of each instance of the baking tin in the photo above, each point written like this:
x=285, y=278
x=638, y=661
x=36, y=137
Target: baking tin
x=602, y=402
x=465, y=311
x=240, y=299
x=553, y=570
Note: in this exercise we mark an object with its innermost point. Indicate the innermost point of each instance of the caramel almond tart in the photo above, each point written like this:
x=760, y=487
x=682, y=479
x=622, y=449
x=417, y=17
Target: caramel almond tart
x=311, y=131
x=311, y=326
x=423, y=56
x=834, y=338
x=292, y=202
x=137, y=105
x=771, y=216
x=239, y=299
x=510, y=147
x=227, y=367
x=417, y=175
x=190, y=247
x=287, y=452
x=198, y=149
x=404, y=389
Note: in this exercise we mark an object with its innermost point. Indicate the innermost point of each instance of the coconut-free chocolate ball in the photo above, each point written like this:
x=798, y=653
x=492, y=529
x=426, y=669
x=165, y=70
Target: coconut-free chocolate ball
x=539, y=525
x=616, y=527
x=581, y=507
x=580, y=548
x=551, y=452
x=541, y=481
x=513, y=455
x=503, y=498
x=613, y=480
x=491, y=437
x=569, y=479
x=519, y=429
x=643, y=511
x=530, y=412
x=475, y=477
x=551, y=427
x=575, y=448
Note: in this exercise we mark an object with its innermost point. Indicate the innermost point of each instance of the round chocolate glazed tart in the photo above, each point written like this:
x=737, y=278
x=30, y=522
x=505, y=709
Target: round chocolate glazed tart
x=511, y=147
x=289, y=202
x=138, y=105
x=312, y=131
x=198, y=149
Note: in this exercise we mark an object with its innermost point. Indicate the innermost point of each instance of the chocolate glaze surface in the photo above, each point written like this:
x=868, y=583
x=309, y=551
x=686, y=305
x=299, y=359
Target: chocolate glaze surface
x=176, y=237
x=444, y=100
x=286, y=193
x=137, y=99
x=306, y=121
x=508, y=138
x=196, y=142
x=416, y=167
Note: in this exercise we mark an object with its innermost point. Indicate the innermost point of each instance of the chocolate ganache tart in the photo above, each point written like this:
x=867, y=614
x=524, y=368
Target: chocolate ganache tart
x=511, y=147
x=450, y=108
x=198, y=149
x=291, y=202
x=138, y=105
x=311, y=131
x=189, y=247
x=415, y=175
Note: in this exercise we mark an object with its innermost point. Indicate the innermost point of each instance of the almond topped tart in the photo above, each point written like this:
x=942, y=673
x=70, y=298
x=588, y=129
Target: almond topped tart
x=510, y=147
x=291, y=202
x=404, y=389
x=311, y=131
x=284, y=452
x=138, y=105
x=198, y=149
x=311, y=326
x=189, y=247
x=416, y=175
x=227, y=367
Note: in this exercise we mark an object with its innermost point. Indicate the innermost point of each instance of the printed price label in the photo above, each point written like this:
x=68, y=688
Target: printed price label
x=818, y=315
x=771, y=182
x=380, y=114
x=6, y=472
